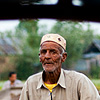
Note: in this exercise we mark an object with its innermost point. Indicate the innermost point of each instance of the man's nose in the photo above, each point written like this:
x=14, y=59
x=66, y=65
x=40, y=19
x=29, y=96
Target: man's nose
x=47, y=55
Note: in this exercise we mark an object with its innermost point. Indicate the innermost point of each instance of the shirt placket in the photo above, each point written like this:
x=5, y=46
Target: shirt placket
x=51, y=95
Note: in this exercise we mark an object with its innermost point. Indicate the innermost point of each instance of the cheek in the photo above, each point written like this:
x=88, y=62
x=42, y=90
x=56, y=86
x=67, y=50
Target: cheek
x=41, y=59
x=56, y=58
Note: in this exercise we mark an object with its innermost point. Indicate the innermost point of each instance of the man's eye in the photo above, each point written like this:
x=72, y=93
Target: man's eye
x=53, y=51
x=43, y=51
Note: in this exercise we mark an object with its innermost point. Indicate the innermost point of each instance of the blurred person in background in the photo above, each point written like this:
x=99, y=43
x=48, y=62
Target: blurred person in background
x=12, y=82
x=55, y=83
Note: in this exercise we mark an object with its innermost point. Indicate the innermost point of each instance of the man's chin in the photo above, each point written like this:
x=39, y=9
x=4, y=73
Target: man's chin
x=49, y=70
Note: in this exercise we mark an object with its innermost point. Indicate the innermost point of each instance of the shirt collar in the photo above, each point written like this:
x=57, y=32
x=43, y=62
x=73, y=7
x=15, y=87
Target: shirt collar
x=40, y=81
x=61, y=80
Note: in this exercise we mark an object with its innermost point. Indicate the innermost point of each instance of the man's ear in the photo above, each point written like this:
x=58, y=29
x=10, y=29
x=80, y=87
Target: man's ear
x=39, y=57
x=64, y=56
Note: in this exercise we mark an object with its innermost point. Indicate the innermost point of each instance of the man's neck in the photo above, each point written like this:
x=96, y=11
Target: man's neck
x=52, y=77
x=11, y=83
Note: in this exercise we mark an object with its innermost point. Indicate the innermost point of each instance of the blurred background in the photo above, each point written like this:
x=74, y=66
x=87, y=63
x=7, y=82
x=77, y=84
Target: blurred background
x=20, y=42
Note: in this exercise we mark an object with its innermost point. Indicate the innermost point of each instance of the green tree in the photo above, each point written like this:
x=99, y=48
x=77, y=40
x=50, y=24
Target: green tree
x=77, y=38
x=95, y=72
x=28, y=62
x=97, y=36
x=28, y=33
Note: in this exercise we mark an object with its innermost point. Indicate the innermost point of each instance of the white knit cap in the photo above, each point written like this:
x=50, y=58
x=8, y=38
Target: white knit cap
x=55, y=38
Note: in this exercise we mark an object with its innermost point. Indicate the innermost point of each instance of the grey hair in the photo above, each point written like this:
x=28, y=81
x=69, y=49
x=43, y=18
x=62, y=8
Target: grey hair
x=63, y=50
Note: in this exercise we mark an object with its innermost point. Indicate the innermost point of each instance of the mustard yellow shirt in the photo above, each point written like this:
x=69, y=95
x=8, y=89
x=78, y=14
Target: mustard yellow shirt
x=50, y=86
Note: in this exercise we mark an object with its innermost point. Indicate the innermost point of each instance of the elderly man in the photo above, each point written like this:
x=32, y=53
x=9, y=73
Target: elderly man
x=55, y=83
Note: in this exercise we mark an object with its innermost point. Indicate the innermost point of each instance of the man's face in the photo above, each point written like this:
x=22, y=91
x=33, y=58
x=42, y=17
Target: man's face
x=13, y=77
x=50, y=56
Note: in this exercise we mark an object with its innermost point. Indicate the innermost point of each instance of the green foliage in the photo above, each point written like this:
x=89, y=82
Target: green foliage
x=24, y=67
x=77, y=38
x=4, y=75
x=97, y=36
x=29, y=30
x=96, y=82
x=28, y=33
x=26, y=64
x=95, y=72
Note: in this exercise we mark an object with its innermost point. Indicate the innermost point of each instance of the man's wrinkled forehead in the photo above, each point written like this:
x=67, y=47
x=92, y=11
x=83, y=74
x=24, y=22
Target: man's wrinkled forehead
x=54, y=38
x=50, y=44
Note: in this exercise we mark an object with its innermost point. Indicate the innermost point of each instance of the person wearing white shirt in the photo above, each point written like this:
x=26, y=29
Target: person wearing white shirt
x=12, y=82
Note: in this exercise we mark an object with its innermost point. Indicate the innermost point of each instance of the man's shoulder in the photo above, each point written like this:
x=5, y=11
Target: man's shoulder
x=74, y=74
x=7, y=82
x=18, y=81
x=35, y=77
